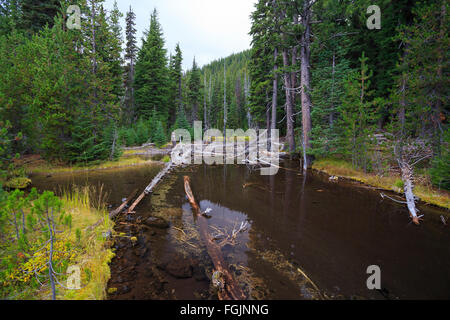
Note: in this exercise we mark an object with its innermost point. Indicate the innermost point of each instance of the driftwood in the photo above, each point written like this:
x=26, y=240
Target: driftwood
x=150, y=187
x=230, y=290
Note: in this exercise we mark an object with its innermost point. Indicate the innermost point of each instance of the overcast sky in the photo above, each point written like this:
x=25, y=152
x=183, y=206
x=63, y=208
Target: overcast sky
x=206, y=29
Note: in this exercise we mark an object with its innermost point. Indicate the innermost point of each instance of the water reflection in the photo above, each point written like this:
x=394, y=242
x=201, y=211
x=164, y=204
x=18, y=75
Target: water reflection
x=330, y=231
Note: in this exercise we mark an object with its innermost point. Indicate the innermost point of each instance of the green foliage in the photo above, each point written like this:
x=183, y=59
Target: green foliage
x=194, y=93
x=130, y=57
x=440, y=170
x=357, y=113
x=152, y=73
x=236, y=101
x=35, y=14
x=159, y=137
x=142, y=132
x=35, y=221
x=175, y=84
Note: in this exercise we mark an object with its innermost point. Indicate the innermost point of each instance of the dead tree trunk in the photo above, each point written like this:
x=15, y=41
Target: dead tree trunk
x=275, y=90
x=305, y=83
x=407, y=178
x=408, y=153
x=231, y=290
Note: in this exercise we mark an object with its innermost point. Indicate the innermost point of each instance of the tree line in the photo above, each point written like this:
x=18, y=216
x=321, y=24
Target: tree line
x=339, y=89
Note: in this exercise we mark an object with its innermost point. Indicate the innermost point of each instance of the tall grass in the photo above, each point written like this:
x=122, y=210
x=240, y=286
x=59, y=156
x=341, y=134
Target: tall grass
x=87, y=206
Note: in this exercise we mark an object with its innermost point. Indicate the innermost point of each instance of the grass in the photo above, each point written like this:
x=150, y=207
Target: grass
x=43, y=167
x=96, y=254
x=423, y=188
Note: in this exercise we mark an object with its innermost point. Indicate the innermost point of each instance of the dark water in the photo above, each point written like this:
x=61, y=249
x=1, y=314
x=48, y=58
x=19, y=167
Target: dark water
x=330, y=231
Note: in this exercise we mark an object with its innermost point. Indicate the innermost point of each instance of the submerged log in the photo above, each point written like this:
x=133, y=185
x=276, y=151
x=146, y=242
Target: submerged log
x=231, y=290
x=151, y=186
x=115, y=212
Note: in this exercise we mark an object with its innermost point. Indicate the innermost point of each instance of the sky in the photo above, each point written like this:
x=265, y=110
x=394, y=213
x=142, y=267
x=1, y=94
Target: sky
x=206, y=29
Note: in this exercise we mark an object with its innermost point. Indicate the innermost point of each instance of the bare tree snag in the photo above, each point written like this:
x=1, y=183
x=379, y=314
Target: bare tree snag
x=407, y=177
x=305, y=82
x=408, y=153
x=231, y=290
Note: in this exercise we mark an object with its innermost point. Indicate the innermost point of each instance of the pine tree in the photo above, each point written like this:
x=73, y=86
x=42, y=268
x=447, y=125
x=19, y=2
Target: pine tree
x=152, y=74
x=115, y=60
x=261, y=64
x=425, y=65
x=194, y=92
x=35, y=14
x=130, y=57
x=358, y=116
x=9, y=16
x=176, y=95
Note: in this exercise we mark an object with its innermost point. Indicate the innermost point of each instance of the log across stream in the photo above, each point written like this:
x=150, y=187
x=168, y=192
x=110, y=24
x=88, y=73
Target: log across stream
x=305, y=238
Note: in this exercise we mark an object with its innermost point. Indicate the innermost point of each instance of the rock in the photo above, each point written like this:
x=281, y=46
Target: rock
x=198, y=273
x=177, y=266
x=125, y=289
x=141, y=252
x=159, y=223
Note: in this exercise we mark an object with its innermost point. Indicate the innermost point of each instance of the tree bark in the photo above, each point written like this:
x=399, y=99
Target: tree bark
x=289, y=106
x=305, y=84
x=204, y=104
x=274, y=90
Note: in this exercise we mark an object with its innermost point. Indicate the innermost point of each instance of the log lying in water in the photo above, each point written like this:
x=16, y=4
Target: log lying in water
x=115, y=212
x=151, y=186
x=231, y=290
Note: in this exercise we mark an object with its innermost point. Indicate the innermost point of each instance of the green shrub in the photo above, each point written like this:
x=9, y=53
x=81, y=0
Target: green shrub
x=399, y=184
x=440, y=171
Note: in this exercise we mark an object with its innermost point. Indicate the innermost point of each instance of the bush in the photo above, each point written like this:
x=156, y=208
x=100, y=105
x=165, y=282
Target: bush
x=142, y=132
x=159, y=137
x=440, y=171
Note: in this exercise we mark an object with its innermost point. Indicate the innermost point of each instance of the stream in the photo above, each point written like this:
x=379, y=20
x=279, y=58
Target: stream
x=303, y=237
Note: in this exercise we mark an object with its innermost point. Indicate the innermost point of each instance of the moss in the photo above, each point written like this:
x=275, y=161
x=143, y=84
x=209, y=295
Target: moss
x=399, y=183
x=18, y=183
x=423, y=188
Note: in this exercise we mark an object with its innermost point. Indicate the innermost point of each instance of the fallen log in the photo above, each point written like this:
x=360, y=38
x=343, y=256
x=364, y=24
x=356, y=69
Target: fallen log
x=230, y=289
x=115, y=212
x=150, y=187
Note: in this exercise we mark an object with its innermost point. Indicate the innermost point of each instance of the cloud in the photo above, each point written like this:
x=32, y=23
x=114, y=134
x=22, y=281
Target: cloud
x=206, y=29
